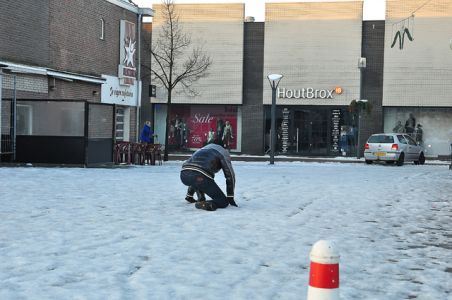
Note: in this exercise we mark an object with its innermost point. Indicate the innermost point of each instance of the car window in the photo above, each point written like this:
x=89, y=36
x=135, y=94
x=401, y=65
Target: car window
x=410, y=140
x=402, y=139
x=381, y=139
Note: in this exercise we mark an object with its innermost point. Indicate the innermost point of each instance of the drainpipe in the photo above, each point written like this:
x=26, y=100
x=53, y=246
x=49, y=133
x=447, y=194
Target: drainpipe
x=139, y=16
x=142, y=11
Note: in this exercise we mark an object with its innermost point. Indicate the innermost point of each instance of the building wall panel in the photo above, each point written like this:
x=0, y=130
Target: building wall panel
x=314, y=45
x=420, y=73
x=218, y=28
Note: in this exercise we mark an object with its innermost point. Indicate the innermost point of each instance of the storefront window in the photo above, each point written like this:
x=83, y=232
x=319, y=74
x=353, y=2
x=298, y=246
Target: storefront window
x=194, y=126
x=429, y=127
x=312, y=131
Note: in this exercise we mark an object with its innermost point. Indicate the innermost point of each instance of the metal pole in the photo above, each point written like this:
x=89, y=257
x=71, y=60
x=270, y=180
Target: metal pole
x=298, y=137
x=273, y=125
x=358, y=152
x=13, y=119
x=137, y=112
x=1, y=88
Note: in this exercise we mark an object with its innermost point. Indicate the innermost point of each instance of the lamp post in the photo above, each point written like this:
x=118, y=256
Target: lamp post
x=362, y=64
x=274, y=82
x=361, y=105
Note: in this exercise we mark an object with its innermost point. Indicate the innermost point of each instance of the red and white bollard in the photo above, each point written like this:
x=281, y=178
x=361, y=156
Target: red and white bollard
x=324, y=272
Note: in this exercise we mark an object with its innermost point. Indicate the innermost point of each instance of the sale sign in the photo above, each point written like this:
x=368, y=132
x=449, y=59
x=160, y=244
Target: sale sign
x=196, y=126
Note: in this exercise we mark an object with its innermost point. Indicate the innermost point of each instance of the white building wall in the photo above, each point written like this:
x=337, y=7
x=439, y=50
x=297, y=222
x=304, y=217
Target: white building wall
x=219, y=28
x=314, y=45
x=420, y=74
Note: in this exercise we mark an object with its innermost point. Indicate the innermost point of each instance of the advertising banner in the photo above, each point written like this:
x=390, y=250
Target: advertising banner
x=196, y=126
x=127, y=49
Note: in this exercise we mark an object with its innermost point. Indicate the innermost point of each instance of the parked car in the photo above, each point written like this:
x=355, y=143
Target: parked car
x=393, y=148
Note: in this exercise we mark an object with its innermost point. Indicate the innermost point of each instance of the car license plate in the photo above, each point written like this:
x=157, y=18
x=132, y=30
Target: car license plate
x=380, y=154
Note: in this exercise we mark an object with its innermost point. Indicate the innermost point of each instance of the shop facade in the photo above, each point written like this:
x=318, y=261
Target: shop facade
x=83, y=59
x=417, y=85
x=330, y=58
x=213, y=113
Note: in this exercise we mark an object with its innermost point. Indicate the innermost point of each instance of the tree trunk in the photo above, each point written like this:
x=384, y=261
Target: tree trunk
x=167, y=126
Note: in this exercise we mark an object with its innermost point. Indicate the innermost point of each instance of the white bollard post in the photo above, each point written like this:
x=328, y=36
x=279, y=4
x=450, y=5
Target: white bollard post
x=324, y=272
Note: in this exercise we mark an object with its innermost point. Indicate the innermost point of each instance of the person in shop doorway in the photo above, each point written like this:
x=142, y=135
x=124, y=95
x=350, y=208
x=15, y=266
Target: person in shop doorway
x=398, y=127
x=198, y=174
x=410, y=124
x=418, y=133
x=147, y=134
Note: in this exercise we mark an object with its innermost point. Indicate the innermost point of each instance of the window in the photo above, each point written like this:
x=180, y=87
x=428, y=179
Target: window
x=102, y=29
x=119, y=130
x=410, y=140
x=381, y=139
x=402, y=139
x=24, y=119
x=122, y=129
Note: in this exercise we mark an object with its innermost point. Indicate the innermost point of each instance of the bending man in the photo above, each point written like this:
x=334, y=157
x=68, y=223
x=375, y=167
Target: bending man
x=198, y=174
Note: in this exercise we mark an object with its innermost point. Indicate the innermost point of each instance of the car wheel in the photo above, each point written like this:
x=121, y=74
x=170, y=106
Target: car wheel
x=421, y=158
x=401, y=159
x=369, y=162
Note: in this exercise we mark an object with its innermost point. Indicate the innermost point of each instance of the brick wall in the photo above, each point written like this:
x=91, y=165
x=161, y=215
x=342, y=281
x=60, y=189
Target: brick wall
x=252, y=109
x=75, y=43
x=76, y=90
x=372, y=82
x=24, y=29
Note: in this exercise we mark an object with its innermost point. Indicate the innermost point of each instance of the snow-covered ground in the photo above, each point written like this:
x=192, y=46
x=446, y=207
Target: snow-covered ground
x=127, y=233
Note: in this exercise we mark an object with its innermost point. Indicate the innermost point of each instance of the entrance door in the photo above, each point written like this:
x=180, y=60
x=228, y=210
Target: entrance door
x=309, y=132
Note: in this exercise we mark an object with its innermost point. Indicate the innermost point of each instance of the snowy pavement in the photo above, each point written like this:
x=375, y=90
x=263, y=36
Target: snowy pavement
x=127, y=233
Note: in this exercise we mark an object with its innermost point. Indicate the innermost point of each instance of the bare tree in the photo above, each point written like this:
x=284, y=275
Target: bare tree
x=175, y=61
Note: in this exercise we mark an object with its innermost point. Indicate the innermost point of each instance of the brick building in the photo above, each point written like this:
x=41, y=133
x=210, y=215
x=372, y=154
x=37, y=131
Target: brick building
x=83, y=58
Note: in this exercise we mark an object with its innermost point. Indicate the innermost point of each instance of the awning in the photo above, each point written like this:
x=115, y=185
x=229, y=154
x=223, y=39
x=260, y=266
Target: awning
x=67, y=76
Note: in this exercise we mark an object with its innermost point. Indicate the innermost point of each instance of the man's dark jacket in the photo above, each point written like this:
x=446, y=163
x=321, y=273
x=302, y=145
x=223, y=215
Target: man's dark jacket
x=210, y=160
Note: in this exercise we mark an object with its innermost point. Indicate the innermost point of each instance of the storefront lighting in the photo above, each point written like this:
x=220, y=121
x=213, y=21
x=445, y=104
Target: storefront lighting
x=274, y=80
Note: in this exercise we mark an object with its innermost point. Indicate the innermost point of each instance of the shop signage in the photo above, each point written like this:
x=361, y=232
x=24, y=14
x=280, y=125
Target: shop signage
x=285, y=130
x=114, y=92
x=335, y=130
x=308, y=93
x=127, y=49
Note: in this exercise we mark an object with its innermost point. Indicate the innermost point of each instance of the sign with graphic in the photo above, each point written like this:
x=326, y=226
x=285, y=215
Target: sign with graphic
x=196, y=126
x=335, y=130
x=285, y=130
x=127, y=51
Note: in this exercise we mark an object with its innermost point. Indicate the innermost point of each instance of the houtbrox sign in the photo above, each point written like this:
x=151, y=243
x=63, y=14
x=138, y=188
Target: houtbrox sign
x=308, y=93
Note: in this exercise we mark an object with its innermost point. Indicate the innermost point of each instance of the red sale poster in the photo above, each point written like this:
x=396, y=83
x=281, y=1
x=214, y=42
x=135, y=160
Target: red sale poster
x=196, y=126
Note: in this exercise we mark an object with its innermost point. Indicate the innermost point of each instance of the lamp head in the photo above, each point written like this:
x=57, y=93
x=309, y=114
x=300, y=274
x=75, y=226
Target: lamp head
x=274, y=79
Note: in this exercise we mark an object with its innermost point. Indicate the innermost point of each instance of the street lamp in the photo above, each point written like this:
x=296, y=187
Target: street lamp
x=362, y=64
x=361, y=105
x=274, y=82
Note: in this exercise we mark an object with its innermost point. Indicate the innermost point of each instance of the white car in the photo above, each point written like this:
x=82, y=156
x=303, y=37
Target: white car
x=393, y=147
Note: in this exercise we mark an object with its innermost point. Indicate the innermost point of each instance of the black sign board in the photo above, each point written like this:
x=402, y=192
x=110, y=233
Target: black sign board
x=152, y=90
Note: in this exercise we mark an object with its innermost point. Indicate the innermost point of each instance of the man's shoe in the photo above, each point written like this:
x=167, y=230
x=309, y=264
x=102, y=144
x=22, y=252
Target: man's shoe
x=206, y=205
x=190, y=199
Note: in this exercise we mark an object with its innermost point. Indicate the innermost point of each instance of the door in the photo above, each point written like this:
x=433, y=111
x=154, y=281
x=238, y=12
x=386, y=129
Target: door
x=310, y=132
